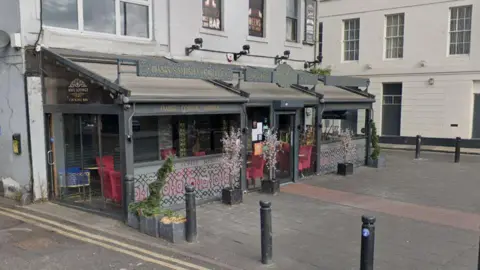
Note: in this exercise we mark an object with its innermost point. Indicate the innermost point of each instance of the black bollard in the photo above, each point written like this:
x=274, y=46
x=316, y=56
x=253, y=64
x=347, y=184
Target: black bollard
x=266, y=231
x=457, y=149
x=368, y=243
x=129, y=193
x=418, y=142
x=191, y=214
x=478, y=254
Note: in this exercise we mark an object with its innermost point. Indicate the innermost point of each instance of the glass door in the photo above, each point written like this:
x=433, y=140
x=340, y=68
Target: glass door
x=285, y=123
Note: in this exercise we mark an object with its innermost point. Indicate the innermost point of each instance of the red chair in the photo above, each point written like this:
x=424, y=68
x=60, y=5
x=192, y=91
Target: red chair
x=107, y=183
x=283, y=158
x=107, y=162
x=305, y=158
x=116, y=186
x=256, y=170
x=198, y=154
x=164, y=153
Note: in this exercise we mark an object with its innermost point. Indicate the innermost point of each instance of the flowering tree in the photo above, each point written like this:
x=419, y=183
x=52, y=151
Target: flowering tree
x=270, y=150
x=232, y=154
x=348, y=147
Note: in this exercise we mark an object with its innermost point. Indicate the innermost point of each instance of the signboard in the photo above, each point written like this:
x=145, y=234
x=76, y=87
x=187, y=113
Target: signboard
x=184, y=70
x=283, y=75
x=189, y=108
x=77, y=92
x=310, y=11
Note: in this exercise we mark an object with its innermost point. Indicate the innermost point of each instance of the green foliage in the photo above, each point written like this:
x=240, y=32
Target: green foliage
x=321, y=71
x=375, y=143
x=151, y=205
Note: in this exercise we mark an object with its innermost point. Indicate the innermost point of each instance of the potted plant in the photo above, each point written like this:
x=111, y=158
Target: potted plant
x=270, y=150
x=148, y=210
x=171, y=226
x=375, y=160
x=231, y=164
x=349, y=153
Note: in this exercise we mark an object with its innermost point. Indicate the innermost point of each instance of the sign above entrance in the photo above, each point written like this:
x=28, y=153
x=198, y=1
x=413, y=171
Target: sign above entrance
x=283, y=75
x=77, y=92
x=184, y=70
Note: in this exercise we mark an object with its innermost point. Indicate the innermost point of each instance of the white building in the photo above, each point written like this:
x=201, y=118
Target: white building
x=422, y=57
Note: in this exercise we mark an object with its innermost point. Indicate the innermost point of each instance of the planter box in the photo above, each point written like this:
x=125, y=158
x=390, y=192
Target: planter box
x=232, y=196
x=345, y=169
x=172, y=232
x=270, y=186
x=377, y=163
x=149, y=226
x=133, y=221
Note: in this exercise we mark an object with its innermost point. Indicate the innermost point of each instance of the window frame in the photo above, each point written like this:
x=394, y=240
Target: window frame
x=118, y=35
x=264, y=7
x=296, y=20
x=398, y=37
x=221, y=16
x=450, y=32
x=345, y=41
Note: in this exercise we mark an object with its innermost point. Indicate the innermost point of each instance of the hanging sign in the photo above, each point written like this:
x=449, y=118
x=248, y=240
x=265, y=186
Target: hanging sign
x=310, y=11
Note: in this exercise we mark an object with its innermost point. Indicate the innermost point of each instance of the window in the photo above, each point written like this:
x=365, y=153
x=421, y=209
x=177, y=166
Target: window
x=394, y=36
x=460, y=29
x=134, y=17
x=212, y=14
x=292, y=21
x=256, y=17
x=320, y=40
x=351, y=40
x=156, y=137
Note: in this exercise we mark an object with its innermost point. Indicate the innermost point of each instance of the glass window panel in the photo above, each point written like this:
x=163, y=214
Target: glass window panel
x=461, y=12
x=255, y=18
x=134, y=20
x=212, y=14
x=461, y=24
x=468, y=24
x=387, y=100
x=397, y=100
x=468, y=12
x=467, y=48
x=292, y=7
x=460, y=49
x=60, y=13
x=99, y=16
x=389, y=31
x=453, y=25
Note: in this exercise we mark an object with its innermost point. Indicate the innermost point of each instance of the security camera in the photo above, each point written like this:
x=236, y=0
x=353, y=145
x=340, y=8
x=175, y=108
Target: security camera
x=199, y=41
x=246, y=48
x=286, y=53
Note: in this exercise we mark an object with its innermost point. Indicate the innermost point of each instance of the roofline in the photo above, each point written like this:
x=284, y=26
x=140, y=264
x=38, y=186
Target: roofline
x=157, y=99
x=85, y=72
x=307, y=91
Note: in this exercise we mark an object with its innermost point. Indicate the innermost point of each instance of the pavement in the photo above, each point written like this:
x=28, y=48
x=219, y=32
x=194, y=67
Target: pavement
x=427, y=210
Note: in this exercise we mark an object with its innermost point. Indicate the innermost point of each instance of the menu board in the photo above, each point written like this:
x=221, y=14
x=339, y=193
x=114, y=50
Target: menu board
x=310, y=11
x=255, y=18
x=212, y=15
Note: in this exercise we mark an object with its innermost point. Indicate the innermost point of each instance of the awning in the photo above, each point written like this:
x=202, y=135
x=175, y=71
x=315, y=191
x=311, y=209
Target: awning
x=335, y=94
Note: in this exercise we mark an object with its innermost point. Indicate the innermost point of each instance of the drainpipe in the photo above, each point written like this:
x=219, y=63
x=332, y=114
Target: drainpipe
x=315, y=46
x=169, y=29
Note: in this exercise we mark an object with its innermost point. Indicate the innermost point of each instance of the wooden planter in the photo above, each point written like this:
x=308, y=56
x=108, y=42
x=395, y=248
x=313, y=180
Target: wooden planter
x=172, y=232
x=270, y=186
x=133, y=220
x=232, y=196
x=149, y=225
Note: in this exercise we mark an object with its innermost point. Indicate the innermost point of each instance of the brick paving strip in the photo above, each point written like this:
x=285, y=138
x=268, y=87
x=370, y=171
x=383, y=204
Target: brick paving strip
x=441, y=216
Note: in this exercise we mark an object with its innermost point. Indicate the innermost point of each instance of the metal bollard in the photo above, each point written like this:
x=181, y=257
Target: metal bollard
x=129, y=193
x=478, y=254
x=368, y=243
x=191, y=214
x=418, y=143
x=457, y=149
x=266, y=231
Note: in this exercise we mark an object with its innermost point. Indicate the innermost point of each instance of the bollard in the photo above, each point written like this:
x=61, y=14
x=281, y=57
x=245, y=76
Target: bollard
x=129, y=193
x=368, y=243
x=266, y=231
x=191, y=214
x=418, y=142
x=478, y=254
x=457, y=149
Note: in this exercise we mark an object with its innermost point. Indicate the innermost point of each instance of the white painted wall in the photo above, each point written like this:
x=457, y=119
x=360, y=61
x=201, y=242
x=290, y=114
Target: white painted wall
x=427, y=109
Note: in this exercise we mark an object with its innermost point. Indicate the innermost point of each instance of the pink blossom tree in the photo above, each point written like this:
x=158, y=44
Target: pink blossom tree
x=232, y=155
x=270, y=150
x=348, y=147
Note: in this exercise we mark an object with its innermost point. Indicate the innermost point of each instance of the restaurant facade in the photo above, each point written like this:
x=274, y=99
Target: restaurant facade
x=111, y=121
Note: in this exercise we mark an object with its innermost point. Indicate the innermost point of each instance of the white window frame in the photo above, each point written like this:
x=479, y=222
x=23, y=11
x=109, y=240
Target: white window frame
x=118, y=27
x=298, y=18
x=400, y=36
x=450, y=10
x=344, y=40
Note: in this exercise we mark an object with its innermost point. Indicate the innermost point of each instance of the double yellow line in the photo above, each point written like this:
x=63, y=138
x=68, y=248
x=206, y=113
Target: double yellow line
x=111, y=244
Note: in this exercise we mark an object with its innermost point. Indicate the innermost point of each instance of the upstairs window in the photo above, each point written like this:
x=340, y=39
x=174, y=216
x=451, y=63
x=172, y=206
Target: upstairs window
x=212, y=14
x=256, y=18
x=351, y=40
x=292, y=21
x=460, y=29
x=117, y=17
x=394, y=36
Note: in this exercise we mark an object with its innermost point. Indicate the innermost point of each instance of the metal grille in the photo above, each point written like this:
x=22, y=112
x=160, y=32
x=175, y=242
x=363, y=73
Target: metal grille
x=209, y=179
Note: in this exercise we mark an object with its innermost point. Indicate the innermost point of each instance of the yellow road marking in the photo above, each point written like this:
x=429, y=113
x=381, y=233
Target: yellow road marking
x=112, y=241
x=88, y=240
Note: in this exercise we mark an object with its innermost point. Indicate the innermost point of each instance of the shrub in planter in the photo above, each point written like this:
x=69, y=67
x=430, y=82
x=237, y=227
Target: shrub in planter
x=375, y=160
x=349, y=153
x=231, y=164
x=148, y=210
x=270, y=151
x=133, y=219
x=171, y=227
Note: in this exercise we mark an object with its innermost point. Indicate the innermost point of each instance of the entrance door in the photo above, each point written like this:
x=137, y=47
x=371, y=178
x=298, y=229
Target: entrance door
x=476, y=117
x=285, y=123
x=391, y=109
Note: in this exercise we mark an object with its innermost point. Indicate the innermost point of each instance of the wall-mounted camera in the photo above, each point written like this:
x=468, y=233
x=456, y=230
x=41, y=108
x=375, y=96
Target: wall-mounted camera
x=198, y=45
x=245, y=50
x=285, y=56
